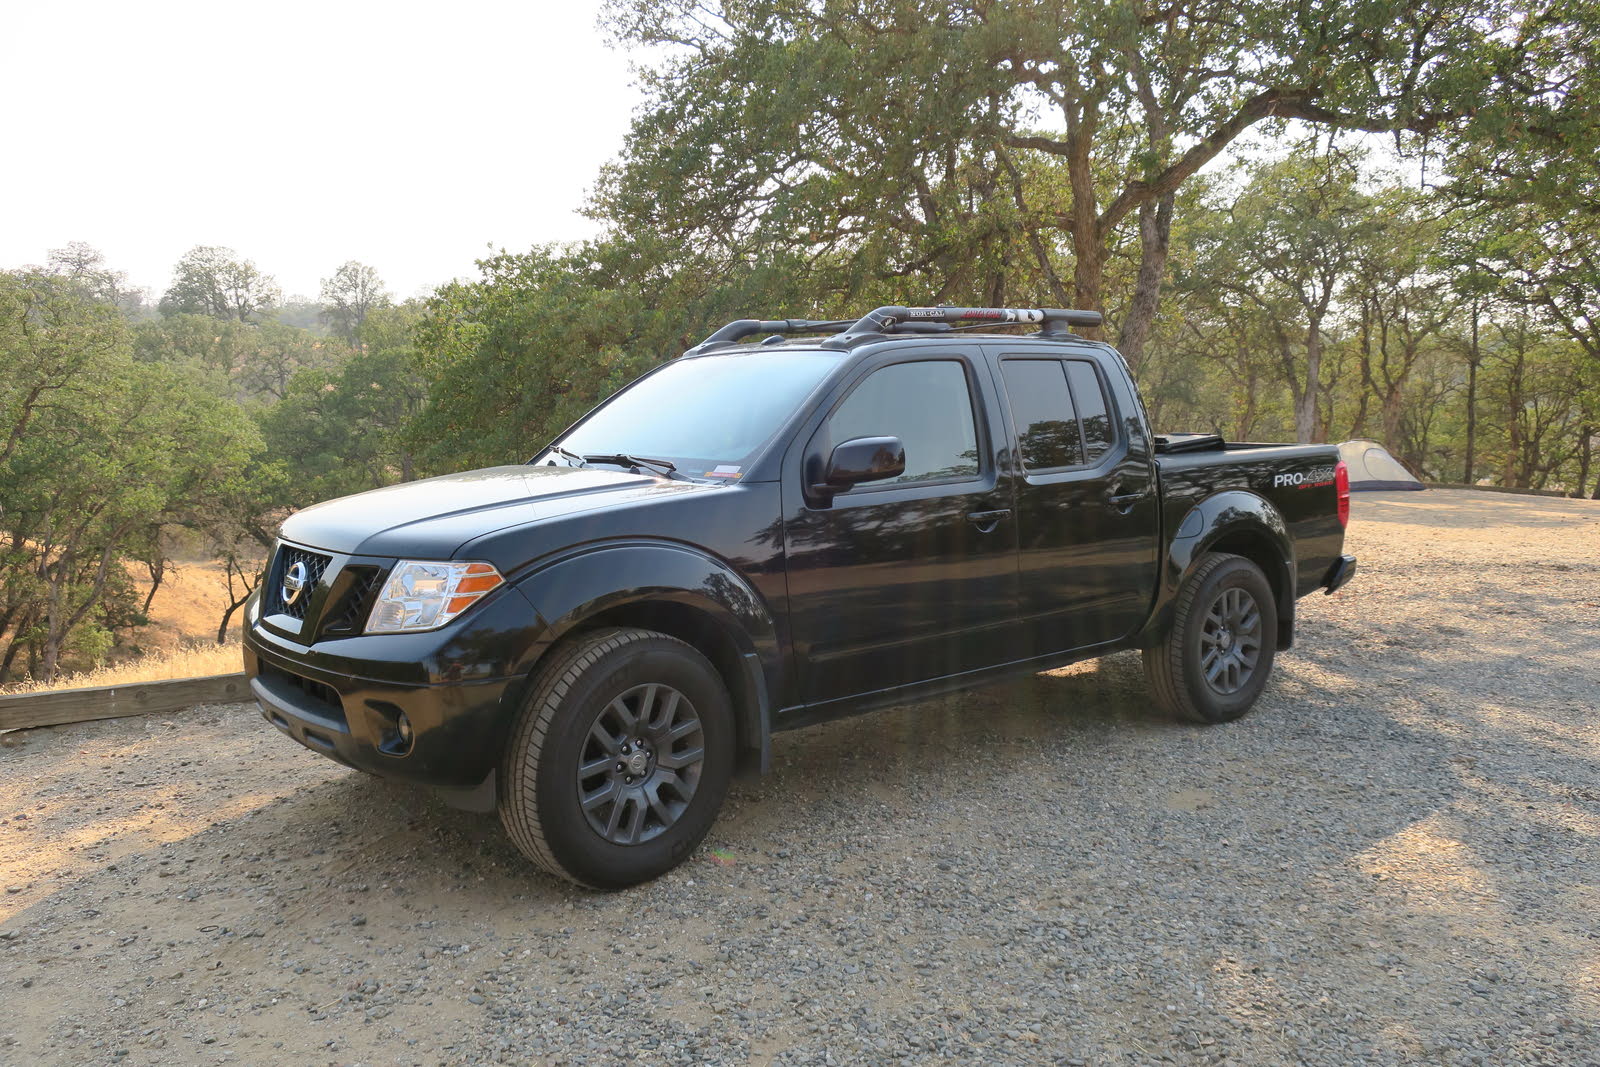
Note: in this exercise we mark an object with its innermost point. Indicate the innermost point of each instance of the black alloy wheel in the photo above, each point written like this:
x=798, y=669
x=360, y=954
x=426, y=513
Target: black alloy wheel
x=1216, y=656
x=620, y=758
x=1230, y=641
x=640, y=764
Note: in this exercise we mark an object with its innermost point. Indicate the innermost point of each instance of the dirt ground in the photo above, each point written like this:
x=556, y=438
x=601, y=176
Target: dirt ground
x=1393, y=859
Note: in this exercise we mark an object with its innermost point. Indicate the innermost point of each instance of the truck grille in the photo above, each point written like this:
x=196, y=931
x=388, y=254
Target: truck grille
x=350, y=614
x=272, y=595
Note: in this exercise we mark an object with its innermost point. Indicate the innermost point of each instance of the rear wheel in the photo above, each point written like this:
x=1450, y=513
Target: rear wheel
x=620, y=759
x=1217, y=657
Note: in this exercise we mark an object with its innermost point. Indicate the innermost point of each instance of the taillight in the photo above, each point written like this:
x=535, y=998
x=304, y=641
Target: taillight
x=1341, y=483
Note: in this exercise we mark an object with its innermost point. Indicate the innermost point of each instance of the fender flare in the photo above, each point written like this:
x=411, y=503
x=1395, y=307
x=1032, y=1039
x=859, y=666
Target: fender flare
x=1243, y=522
x=665, y=578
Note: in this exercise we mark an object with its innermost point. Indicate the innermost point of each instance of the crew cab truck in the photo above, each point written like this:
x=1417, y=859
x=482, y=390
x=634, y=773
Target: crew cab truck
x=795, y=520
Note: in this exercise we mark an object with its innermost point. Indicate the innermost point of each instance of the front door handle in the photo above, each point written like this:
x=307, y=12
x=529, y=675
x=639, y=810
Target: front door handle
x=987, y=520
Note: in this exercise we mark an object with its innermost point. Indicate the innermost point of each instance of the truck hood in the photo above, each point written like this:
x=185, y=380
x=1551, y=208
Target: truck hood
x=433, y=518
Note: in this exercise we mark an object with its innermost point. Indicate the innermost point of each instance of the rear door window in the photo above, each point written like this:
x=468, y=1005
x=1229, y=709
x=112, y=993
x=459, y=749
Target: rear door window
x=1041, y=408
x=1093, y=412
x=1060, y=412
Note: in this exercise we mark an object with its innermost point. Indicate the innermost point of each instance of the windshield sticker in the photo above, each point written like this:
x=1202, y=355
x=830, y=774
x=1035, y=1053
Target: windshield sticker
x=723, y=470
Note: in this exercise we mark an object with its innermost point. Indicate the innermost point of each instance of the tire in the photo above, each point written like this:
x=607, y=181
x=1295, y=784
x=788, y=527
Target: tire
x=1217, y=657
x=655, y=802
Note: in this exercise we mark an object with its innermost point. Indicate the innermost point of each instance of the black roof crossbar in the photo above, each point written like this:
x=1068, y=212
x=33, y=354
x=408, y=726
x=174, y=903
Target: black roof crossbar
x=1054, y=322
x=739, y=329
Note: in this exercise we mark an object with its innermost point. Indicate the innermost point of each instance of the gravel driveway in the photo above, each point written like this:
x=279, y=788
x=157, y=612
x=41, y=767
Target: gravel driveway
x=1394, y=859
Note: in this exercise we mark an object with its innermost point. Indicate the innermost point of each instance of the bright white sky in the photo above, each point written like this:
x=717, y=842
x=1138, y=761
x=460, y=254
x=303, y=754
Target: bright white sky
x=409, y=136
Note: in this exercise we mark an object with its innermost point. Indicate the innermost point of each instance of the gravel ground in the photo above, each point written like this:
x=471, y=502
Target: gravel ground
x=1392, y=860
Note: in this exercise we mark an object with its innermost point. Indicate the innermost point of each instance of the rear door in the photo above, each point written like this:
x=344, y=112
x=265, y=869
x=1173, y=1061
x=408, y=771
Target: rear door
x=1085, y=502
x=914, y=578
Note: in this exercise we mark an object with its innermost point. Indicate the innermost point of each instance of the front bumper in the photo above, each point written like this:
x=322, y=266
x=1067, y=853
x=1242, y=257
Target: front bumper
x=1343, y=569
x=458, y=689
x=455, y=731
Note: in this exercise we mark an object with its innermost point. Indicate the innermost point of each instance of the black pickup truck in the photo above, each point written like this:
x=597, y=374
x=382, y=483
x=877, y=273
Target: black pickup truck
x=761, y=535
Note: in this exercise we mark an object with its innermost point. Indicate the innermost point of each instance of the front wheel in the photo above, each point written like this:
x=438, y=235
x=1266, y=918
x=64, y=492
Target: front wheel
x=620, y=759
x=1215, y=660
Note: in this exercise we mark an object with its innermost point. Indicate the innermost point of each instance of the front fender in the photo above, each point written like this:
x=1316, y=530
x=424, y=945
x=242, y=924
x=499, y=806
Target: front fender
x=1237, y=521
x=609, y=579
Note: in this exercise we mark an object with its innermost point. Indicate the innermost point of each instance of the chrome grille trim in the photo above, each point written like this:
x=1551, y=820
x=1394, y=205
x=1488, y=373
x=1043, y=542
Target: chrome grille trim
x=286, y=557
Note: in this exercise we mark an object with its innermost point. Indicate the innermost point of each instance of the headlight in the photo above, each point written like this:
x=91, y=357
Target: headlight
x=424, y=596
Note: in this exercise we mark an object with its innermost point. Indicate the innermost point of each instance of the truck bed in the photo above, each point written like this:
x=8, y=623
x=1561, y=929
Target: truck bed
x=1298, y=481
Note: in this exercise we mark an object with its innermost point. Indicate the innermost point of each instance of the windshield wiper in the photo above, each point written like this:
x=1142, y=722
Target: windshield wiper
x=579, y=461
x=622, y=459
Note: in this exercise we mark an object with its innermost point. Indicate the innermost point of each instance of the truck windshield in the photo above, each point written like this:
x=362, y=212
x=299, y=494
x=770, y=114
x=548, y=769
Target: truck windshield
x=706, y=414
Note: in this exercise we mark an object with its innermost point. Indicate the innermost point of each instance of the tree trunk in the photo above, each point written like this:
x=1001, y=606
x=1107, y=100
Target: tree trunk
x=157, y=573
x=1367, y=387
x=1472, y=395
x=1392, y=412
x=24, y=624
x=1585, y=444
x=55, y=632
x=1305, y=408
x=1155, y=241
x=227, y=617
x=60, y=626
x=1088, y=249
x=1247, y=418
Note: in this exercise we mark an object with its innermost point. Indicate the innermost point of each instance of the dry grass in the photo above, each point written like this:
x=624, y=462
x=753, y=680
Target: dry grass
x=178, y=642
x=187, y=607
x=185, y=661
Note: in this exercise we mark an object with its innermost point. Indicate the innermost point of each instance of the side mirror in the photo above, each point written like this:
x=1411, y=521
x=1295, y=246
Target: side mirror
x=862, y=459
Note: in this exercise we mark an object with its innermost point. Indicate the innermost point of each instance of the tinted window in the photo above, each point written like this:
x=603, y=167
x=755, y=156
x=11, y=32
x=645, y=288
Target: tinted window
x=1092, y=409
x=927, y=406
x=1041, y=408
x=704, y=411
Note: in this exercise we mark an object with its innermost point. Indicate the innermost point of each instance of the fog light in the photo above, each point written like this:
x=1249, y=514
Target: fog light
x=394, y=729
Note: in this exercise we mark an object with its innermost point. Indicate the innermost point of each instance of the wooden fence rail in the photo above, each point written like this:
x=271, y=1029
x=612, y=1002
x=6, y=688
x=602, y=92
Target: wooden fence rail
x=115, y=701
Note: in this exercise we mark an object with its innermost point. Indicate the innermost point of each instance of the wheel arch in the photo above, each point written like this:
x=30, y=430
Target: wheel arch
x=675, y=590
x=1238, y=522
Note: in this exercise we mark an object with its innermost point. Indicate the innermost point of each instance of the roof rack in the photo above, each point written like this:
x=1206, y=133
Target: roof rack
x=1053, y=322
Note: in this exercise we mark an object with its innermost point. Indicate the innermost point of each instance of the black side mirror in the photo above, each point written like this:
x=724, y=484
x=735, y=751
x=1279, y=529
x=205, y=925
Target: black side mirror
x=862, y=459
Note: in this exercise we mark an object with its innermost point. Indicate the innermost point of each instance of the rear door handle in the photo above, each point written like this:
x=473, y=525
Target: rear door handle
x=987, y=520
x=1123, y=500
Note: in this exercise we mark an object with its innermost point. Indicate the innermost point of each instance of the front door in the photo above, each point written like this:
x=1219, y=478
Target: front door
x=913, y=578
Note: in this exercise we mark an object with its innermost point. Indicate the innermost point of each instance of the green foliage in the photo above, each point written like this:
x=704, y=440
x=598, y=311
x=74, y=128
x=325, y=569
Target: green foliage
x=354, y=292
x=517, y=355
x=339, y=428
x=213, y=281
x=102, y=450
x=989, y=152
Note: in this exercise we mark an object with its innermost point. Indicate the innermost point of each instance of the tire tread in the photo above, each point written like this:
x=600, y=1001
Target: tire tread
x=519, y=785
x=1163, y=663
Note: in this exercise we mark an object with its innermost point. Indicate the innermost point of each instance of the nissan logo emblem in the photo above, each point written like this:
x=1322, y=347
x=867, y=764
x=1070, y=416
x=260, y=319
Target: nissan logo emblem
x=295, y=581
